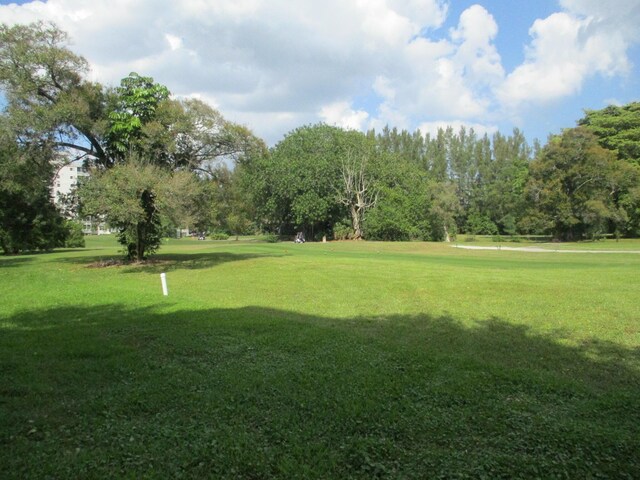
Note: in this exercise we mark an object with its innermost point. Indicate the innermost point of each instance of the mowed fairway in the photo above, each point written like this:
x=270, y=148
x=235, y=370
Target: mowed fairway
x=337, y=360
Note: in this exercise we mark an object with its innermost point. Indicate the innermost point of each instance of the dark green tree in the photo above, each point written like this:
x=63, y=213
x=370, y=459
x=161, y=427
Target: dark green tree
x=572, y=185
x=298, y=181
x=28, y=219
x=617, y=129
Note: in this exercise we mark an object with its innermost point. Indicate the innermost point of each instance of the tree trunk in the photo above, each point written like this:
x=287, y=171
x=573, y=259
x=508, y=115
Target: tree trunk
x=356, y=223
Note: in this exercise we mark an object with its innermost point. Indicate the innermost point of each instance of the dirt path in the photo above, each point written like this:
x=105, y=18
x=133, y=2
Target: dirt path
x=540, y=249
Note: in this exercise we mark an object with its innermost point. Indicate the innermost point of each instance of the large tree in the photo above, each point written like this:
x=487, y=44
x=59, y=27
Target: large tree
x=296, y=184
x=617, y=129
x=28, y=219
x=49, y=102
x=51, y=107
x=572, y=187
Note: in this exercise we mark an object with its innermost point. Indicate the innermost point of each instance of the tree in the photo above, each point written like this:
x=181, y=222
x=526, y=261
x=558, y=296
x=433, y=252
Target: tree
x=52, y=107
x=134, y=197
x=136, y=101
x=357, y=191
x=444, y=207
x=28, y=219
x=617, y=129
x=297, y=182
x=402, y=209
x=572, y=185
x=49, y=103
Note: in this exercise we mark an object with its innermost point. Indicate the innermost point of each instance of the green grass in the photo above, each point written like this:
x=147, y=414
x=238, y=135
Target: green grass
x=337, y=360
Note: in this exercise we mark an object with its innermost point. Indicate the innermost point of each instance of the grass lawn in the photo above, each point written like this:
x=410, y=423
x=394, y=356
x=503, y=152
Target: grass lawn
x=338, y=360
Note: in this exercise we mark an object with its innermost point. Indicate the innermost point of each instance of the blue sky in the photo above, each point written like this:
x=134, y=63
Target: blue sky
x=274, y=65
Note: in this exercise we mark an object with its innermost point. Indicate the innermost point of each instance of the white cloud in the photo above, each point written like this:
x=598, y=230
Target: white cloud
x=271, y=63
x=343, y=115
x=476, y=52
x=174, y=42
x=589, y=38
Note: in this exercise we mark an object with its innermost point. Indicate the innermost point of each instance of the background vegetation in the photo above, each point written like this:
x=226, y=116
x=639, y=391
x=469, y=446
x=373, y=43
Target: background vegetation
x=320, y=180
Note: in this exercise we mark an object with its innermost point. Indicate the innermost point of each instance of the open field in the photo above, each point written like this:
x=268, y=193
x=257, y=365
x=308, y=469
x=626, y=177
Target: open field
x=337, y=360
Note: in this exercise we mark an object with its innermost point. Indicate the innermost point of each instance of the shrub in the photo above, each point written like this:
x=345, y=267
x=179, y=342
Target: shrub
x=218, y=236
x=75, y=236
x=271, y=238
x=342, y=231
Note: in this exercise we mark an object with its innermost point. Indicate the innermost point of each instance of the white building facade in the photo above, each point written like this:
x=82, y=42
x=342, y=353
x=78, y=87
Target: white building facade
x=65, y=182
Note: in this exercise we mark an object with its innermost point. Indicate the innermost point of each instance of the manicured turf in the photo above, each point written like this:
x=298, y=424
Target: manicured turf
x=337, y=360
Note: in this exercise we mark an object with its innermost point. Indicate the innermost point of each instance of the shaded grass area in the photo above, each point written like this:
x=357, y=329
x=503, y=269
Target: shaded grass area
x=112, y=391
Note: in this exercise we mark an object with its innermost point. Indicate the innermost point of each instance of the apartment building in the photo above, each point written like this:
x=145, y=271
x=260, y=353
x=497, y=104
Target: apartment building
x=65, y=182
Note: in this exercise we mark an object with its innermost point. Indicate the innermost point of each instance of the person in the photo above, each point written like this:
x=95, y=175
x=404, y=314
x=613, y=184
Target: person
x=300, y=237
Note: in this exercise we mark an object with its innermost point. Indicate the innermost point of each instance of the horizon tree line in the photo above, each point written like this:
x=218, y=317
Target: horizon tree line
x=158, y=162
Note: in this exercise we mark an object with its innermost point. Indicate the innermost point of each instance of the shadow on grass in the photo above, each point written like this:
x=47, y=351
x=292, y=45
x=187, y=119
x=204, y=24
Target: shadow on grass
x=167, y=262
x=13, y=261
x=259, y=393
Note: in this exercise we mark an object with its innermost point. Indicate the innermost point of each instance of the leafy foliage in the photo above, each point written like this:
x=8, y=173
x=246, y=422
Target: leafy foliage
x=134, y=197
x=28, y=219
x=75, y=239
x=617, y=128
x=297, y=182
x=571, y=184
x=49, y=102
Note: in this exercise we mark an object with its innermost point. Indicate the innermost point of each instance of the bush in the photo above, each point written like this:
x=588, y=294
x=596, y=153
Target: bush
x=271, y=238
x=75, y=236
x=478, y=224
x=218, y=236
x=342, y=231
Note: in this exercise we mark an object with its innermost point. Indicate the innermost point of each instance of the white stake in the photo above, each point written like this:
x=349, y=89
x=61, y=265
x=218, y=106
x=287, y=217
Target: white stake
x=163, y=279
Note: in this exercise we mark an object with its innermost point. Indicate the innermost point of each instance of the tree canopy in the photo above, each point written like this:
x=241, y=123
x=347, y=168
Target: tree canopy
x=617, y=128
x=54, y=109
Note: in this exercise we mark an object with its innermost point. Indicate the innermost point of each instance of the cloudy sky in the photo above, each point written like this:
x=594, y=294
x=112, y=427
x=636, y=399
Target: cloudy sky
x=274, y=65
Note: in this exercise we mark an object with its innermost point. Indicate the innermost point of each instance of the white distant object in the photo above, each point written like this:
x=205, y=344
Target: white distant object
x=163, y=279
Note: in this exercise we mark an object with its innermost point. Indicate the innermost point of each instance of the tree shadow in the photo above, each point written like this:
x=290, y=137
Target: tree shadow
x=261, y=393
x=13, y=261
x=167, y=262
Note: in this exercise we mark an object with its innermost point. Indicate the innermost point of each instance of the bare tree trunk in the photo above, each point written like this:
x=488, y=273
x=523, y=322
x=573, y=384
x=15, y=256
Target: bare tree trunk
x=356, y=223
x=356, y=191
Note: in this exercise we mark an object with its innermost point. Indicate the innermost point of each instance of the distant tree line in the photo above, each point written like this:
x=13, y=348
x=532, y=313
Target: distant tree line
x=584, y=183
x=158, y=163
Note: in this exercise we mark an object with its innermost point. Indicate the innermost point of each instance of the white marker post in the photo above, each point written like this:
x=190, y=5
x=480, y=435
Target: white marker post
x=163, y=279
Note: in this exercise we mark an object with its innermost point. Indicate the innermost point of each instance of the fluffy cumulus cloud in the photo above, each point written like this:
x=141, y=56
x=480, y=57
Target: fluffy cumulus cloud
x=277, y=64
x=343, y=115
x=590, y=37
